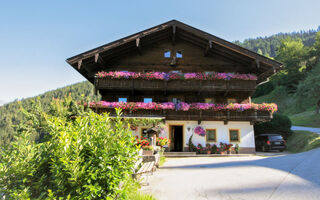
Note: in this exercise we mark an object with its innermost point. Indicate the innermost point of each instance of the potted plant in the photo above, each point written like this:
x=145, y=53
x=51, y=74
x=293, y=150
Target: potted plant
x=222, y=148
x=208, y=148
x=147, y=150
x=214, y=149
x=200, y=149
x=228, y=148
x=200, y=131
x=236, y=148
x=162, y=141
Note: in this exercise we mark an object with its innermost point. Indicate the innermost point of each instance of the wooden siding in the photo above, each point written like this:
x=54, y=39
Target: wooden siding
x=202, y=115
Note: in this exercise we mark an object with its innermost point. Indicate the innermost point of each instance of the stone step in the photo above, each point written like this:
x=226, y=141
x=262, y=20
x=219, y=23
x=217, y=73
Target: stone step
x=179, y=154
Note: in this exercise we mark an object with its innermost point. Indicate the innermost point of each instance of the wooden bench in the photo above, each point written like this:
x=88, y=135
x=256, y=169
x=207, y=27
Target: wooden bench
x=147, y=167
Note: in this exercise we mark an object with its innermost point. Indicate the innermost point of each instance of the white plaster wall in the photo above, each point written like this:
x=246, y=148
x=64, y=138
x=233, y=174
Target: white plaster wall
x=246, y=132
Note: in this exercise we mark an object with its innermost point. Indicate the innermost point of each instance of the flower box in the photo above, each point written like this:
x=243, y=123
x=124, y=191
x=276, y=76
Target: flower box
x=147, y=152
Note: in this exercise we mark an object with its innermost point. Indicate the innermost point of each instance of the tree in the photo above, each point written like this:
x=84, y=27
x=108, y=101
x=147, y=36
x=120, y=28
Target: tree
x=308, y=92
x=293, y=54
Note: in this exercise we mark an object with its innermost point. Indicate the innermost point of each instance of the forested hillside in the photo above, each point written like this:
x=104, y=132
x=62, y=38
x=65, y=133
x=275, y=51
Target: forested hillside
x=295, y=89
x=268, y=46
x=10, y=115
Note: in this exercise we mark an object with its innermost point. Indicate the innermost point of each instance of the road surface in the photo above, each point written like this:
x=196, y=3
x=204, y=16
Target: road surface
x=302, y=128
x=289, y=177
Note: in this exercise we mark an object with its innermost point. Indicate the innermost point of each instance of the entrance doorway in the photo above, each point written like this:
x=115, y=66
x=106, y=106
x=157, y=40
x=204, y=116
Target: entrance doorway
x=176, y=137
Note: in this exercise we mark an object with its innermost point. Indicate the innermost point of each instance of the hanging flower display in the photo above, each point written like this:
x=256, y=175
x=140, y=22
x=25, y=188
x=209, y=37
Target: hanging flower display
x=200, y=131
x=175, y=76
x=182, y=106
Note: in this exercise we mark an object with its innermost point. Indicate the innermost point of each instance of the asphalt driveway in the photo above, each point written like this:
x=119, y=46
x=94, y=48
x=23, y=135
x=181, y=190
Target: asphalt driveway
x=302, y=128
x=292, y=176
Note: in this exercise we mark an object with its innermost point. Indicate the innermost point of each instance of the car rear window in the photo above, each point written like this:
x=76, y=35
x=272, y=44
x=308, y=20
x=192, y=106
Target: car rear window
x=275, y=137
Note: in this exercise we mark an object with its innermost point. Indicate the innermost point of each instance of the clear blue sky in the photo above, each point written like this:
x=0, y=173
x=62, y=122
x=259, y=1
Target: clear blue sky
x=37, y=36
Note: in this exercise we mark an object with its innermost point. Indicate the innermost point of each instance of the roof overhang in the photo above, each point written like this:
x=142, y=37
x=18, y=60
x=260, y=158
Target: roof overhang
x=264, y=67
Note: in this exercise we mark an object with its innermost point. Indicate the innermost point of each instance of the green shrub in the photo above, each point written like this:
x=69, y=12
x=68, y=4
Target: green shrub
x=301, y=141
x=280, y=124
x=84, y=156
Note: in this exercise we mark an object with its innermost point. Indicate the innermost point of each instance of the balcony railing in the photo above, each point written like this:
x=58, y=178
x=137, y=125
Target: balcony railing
x=175, y=85
x=202, y=115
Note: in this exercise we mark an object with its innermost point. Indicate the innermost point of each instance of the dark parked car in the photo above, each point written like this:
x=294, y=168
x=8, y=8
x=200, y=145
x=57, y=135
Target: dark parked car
x=266, y=142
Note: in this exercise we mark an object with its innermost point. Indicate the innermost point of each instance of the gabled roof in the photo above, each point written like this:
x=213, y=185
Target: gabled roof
x=265, y=67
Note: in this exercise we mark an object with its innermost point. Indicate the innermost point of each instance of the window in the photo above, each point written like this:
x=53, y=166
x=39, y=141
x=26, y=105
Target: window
x=175, y=71
x=209, y=100
x=122, y=100
x=167, y=54
x=176, y=100
x=147, y=70
x=147, y=100
x=143, y=132
x=231, y=100
x=234, y=135
x=211, y=135
x=179, y=54
x=209, y=73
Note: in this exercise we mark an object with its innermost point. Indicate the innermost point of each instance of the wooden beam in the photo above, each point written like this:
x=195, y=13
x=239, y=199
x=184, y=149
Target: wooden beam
x=79, y=64
x=216, y=49
x=208, y=48
x=138, y=46
x=173, y=34
x=98, y=59
x=257, y=63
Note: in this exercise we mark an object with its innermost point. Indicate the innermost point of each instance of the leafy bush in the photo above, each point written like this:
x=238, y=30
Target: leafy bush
x=301, y=141
x=214, y=149
x=280, y=124
x=83, y=156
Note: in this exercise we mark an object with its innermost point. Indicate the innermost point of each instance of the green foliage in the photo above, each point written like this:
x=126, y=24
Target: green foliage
x=214, y=149
x=10, y=115
x=263, y=89
x=191, y=146
x=280, y=124
x=268, y=45
x=308, y=92
x=84, y=156
x=278, y=96
x=131, y=192
x=307, y=118
x=300, y=141
x=293, y=54
x=162, y=158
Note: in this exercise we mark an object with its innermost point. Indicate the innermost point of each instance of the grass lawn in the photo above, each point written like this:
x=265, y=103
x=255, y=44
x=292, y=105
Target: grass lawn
x=307, y=118
x=301, y=141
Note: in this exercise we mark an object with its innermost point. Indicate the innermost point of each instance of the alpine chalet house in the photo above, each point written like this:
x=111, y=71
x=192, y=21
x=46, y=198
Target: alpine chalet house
x=198, y=83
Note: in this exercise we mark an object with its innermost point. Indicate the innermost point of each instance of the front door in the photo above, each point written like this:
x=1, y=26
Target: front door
x=176, y=138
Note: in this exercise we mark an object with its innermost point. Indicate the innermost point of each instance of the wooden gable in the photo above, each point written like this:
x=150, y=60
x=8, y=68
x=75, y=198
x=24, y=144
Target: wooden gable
x=200, y=52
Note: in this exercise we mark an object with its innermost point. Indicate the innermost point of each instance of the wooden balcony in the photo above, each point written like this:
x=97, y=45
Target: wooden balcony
x=175, y=85
x=202, y=115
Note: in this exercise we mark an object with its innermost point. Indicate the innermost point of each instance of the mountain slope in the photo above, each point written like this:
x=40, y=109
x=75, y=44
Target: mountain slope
x=10, y=115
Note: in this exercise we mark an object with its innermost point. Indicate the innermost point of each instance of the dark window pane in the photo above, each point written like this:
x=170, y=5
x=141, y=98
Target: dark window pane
x=123, y=100
x=179, y=54
x=211, y=134
x=167, y=54
x=234, y=135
